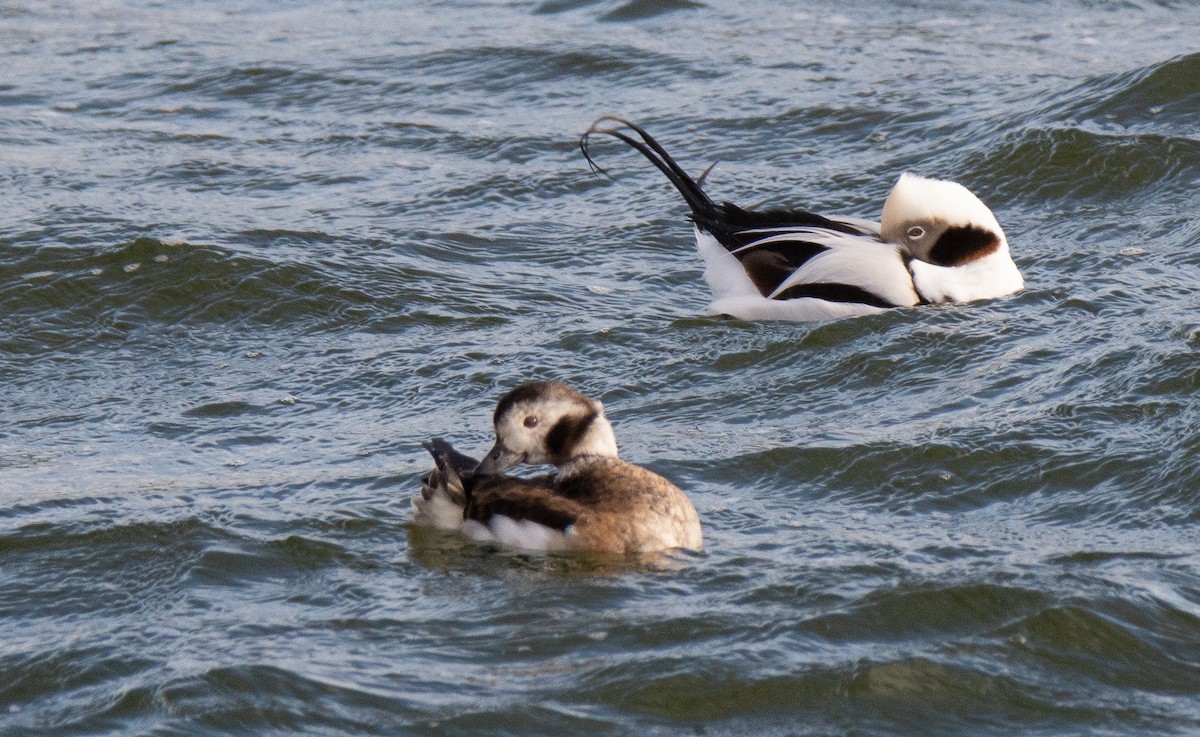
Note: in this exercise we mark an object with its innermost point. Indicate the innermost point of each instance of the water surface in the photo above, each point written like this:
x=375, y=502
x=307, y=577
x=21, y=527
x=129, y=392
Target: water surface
x=252, y=256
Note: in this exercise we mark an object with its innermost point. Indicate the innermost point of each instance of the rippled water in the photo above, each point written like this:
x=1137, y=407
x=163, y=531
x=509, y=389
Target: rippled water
x=251, y=257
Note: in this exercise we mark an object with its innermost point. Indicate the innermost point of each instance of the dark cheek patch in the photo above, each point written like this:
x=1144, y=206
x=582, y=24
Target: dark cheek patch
x=963, y=244
x=566, y=434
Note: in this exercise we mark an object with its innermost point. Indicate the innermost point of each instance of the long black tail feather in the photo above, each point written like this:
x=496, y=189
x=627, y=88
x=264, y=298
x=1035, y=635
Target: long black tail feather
x=727, y=222
x=443, y=452
x=702, y=207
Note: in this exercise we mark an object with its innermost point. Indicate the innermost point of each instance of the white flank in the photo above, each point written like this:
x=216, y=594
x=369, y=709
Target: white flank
x=723, y=272
x=804, y=309
x=517, y=533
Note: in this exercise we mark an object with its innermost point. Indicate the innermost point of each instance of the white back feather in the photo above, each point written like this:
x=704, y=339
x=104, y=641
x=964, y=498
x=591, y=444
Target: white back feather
x=867, y=264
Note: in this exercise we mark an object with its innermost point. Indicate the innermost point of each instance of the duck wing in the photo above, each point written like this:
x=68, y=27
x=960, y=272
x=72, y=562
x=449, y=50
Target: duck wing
x=532, y=500
x=772, y=253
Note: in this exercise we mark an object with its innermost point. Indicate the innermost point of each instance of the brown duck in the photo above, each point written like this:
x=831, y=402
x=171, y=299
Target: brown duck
x=595, y=501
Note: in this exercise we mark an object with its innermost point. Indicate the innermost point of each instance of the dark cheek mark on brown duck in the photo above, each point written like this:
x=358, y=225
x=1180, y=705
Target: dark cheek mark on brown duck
x=566, y=434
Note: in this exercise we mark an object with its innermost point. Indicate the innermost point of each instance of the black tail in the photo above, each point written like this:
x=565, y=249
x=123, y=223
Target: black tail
x=452, y=469
x=702, y=207
x=444, y=453
x=733, y=226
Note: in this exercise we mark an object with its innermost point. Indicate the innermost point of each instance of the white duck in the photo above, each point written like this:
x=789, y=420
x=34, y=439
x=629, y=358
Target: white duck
x=936, y=243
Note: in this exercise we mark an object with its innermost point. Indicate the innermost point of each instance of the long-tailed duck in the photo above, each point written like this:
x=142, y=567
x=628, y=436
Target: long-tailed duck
x=595, y=501
x=937, y=243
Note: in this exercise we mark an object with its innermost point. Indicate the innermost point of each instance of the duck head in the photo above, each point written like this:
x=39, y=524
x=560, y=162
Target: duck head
x=547, y=422
x=940, y=222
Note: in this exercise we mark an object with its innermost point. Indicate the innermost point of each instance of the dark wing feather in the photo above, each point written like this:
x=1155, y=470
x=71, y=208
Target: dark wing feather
x=735, y=227
x=521, y=499
x=778, y=253
x=485, y=495
x=830, y=292
x=769, y=264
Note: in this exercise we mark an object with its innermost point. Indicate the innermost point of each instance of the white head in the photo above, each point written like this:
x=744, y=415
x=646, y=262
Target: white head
x=939, y=222
x=547, y=422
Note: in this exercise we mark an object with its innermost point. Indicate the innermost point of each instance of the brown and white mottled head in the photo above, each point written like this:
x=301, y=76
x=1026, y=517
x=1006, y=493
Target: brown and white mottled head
x=547, y=422
x=940, y=222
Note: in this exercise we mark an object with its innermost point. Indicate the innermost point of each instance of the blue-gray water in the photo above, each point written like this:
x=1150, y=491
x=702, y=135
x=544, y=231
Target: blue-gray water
x=251, y=254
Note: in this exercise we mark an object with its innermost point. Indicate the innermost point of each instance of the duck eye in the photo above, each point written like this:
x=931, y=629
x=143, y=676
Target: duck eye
x=530, y=421
x=916, y=232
